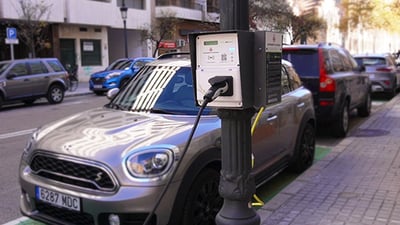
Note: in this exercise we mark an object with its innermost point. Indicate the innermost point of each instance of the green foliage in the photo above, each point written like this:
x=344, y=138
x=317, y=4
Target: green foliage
x=32, y=28
x=306, y=26
x=269, y=14
x=356, y=13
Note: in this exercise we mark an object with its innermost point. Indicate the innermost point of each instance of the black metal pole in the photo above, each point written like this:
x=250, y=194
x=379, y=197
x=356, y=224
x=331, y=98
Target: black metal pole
x=236, y=183
x=126, y=40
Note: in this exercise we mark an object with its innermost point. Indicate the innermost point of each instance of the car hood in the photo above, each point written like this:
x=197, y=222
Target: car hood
x=103, y=134
x=105, y=73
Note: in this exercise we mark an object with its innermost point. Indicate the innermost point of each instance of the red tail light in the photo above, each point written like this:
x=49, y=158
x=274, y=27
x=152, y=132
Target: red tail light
x=383, y=69
x=326, y=83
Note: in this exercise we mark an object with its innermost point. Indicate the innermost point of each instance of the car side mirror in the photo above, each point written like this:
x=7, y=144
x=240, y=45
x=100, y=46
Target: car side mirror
x=112, y=93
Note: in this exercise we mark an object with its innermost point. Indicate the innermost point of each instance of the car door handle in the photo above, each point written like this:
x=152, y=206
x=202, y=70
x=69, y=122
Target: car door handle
x=272, y=117
x=301, y=105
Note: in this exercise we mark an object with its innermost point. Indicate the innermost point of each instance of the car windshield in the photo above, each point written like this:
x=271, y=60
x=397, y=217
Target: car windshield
x=3, y=66
x=159, y=89
x=120, y=64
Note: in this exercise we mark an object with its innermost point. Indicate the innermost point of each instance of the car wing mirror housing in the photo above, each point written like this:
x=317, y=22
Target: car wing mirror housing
x=112, y=93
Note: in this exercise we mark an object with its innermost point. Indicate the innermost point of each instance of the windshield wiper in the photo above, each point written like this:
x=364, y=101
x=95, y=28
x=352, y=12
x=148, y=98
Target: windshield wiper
x=117, y=106
x=163, y=111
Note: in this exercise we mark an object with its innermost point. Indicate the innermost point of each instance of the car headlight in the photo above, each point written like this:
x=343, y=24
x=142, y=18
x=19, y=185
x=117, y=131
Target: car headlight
x=150, y=163
x=113, y=74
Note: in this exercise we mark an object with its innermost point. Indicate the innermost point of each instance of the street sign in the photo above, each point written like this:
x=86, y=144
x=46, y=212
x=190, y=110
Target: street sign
x=11, y=33
x=11, y=39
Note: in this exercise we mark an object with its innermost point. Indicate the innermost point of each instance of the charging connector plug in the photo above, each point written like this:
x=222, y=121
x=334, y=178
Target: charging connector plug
x=219, y=86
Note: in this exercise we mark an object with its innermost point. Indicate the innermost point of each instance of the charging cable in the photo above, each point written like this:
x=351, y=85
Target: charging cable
x=218, y=87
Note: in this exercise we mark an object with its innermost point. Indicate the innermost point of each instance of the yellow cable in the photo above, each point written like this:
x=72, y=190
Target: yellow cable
x=258, y=202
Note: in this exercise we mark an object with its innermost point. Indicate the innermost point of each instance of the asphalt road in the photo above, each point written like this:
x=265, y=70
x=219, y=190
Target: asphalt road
x=18, y=122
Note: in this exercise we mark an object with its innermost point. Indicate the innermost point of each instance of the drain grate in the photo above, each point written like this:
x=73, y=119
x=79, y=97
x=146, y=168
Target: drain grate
x=370, y=132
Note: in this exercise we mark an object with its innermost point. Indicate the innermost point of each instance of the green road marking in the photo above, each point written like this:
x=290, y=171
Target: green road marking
x=267, y=191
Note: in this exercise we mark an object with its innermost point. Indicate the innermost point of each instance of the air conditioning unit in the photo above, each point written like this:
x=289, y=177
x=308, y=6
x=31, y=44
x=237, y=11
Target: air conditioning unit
x=180, y=43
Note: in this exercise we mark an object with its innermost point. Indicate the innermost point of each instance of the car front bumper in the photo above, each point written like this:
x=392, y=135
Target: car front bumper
x=129, y=203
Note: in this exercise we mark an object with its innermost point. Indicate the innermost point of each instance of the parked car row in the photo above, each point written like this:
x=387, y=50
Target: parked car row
x=383, y=72
x=116, y=74
x=111, y=163
x=337, y=82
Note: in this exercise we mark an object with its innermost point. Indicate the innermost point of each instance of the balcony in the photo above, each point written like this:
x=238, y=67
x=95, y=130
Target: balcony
x=180, y=3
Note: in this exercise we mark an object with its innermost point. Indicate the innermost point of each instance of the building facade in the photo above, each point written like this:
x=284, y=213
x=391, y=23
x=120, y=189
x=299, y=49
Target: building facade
x=90, y=33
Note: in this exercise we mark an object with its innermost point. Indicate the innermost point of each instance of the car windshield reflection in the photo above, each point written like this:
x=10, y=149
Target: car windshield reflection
x=157, y=91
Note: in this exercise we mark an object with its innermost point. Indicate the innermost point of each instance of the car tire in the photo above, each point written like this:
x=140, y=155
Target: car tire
x=365, y=109
x=203, y=201
x=304, y=152
x=341, y=124
x=391, y=93
x=1, y=100
x=55, y=94
x=99, y=93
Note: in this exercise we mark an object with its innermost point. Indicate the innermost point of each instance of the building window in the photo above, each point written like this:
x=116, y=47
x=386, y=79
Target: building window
x=91, y=52
x=133, y=4
x=213, y=6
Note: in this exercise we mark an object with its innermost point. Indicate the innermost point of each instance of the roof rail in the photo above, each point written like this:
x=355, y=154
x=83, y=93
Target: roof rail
x=183, y=55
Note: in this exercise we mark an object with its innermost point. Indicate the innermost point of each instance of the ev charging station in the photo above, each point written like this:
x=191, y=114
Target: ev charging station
x=249, y=64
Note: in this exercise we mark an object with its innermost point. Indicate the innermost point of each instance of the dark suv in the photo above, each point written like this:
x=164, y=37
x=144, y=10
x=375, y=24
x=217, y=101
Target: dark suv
x=29, y=79
x=336, y=81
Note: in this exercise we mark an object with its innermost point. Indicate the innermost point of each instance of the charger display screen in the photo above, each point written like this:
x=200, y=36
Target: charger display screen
x=210, y=43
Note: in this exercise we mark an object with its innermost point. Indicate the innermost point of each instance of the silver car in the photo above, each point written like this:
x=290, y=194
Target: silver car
x=109, y=165
x=382, y=71
x=29, y=79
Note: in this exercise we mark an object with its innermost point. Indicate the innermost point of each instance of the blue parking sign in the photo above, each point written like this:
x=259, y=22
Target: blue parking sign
x=11, y=33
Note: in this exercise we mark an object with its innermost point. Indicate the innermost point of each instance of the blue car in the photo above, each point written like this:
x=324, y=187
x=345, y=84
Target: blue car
x=116, y=74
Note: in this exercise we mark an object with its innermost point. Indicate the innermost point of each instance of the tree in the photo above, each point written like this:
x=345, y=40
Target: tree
x=271, y=15
x=32, y=26
x=306, y=26
x=356, y=14
x=161, y=29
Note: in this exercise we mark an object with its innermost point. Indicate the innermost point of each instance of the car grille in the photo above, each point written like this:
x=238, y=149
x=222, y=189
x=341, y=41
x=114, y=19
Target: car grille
x=74, y=173
x=66, y=215
x=98, y=80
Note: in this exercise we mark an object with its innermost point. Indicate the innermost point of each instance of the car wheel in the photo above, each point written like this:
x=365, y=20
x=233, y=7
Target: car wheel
x=1, y=100
x=391, y=93
x=203, y=201
x=305, y=149
x=365, y=109
x=55, y=94
x=341, y=124
x=99, y=93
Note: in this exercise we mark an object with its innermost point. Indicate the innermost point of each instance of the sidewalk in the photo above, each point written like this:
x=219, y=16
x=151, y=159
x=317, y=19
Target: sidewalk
x=357, y=183
x=83, y=89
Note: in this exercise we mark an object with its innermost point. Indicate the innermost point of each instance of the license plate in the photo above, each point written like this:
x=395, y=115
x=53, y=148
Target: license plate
x=58, y=199
x=97, y=86
x=372, y=76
